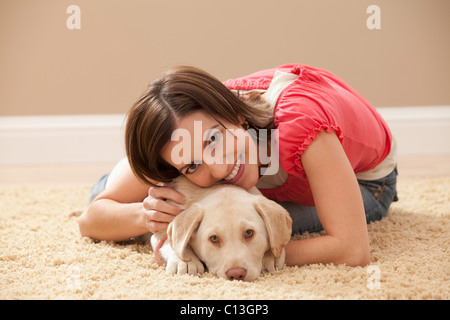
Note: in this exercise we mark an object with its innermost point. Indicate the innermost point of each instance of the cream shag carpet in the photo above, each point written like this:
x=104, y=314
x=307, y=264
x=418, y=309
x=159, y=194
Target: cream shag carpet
x=42, y=256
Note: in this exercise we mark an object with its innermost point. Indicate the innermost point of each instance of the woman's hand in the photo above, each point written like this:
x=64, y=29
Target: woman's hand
x=161, y=207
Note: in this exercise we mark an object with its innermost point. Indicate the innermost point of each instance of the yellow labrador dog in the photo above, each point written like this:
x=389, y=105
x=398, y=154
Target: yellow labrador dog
x=237, y=234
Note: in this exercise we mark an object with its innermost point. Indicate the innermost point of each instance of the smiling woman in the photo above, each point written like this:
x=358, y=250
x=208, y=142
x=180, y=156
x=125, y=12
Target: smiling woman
x=324, y=136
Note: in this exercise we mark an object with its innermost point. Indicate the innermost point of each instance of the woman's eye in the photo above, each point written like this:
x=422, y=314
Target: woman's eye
x=192, y=167
x=248, y=233
x=215, y=137
x=214, y=239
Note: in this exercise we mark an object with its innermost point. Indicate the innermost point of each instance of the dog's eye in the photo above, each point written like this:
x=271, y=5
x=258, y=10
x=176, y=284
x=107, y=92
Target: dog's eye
x=248, y=233
x=214, y=239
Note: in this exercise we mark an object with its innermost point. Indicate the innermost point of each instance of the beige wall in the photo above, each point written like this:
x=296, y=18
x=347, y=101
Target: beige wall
x=45, y=68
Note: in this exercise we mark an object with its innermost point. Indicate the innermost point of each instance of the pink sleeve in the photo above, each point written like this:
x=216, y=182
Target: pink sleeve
x=299, y=119
x=320, y=101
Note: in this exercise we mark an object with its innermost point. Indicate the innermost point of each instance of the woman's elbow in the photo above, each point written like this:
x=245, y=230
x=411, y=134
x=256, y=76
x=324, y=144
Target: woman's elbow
x=84, y=225
x=358, y=257
x=360, y=261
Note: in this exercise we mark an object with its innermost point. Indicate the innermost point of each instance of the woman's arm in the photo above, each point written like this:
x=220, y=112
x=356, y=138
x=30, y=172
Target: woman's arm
x=339, y=206
x=106, y=219
x=128, y=208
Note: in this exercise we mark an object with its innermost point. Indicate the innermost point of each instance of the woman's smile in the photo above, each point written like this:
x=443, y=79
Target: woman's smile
x=237, y=172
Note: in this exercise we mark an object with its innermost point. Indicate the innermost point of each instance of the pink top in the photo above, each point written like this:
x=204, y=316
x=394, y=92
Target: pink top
x=318, y=101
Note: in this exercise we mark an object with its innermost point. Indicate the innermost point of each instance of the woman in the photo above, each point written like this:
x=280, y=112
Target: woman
x=333, y=155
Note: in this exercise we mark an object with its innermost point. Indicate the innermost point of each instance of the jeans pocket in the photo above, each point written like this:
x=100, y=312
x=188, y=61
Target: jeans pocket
x=378, y=195
x=372, y=207
x=376, y=188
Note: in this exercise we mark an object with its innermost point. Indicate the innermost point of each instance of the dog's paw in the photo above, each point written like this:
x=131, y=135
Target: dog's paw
x=271, y=263
x=177, y=266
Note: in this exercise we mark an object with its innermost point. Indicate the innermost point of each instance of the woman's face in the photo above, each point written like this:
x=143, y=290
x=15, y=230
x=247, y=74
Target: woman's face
x=207, y=153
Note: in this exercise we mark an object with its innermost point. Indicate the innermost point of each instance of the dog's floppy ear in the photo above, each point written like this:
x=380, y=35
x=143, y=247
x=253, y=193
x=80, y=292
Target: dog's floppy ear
x=278, y=223
x=180, y=229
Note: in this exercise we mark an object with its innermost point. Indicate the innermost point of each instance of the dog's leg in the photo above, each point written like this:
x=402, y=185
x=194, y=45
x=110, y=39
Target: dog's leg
x=271, y=263
x=177, y=266
x=173, y=262
x=156, y=237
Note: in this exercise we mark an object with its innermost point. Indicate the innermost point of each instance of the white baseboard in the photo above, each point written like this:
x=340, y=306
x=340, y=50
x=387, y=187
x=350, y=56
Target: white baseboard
x=99, y=138
x=61, y=139
x=419, y=131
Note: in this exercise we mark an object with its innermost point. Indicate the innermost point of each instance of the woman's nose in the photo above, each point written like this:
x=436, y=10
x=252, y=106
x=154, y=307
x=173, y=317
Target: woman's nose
x=218, y=171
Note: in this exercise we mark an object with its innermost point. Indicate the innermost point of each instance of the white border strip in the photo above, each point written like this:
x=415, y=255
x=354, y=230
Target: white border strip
x=61, y=139
x=100, y=138
x=420, y=131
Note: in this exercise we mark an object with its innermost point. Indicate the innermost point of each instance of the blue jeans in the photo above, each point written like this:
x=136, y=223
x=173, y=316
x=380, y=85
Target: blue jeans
x=377, y=197
x=98, y=187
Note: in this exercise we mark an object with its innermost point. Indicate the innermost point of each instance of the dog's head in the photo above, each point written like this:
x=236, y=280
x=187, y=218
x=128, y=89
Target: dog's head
x=231, y=230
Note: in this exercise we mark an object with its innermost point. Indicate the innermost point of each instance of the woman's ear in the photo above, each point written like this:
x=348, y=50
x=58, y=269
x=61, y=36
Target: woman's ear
x=241, y=119
x=244, y=123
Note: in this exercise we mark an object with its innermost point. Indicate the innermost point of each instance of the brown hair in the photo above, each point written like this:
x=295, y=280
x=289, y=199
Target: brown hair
x=176, y=94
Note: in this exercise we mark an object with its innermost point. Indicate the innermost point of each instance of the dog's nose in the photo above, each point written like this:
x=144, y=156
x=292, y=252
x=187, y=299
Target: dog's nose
x=236, y=273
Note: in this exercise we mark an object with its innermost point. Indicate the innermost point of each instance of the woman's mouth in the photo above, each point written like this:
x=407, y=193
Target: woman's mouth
x=236, y=173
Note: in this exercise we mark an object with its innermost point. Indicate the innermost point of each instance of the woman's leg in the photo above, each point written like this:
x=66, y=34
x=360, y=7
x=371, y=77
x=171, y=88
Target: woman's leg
x=378, y=196
x=303, y=218
x=107, y=179
x=98, y=187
